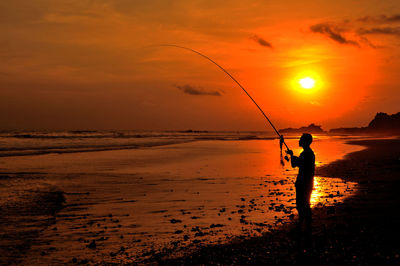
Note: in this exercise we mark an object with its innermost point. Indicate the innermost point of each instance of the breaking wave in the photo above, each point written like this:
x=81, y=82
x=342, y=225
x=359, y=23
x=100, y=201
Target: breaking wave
x=20, y=143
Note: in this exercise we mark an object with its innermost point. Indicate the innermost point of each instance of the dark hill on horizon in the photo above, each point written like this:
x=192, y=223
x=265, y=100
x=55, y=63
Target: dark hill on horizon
x=382, y=124
x=312, y=128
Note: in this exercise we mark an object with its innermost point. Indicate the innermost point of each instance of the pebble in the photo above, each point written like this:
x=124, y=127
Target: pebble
x=216, y=225
x=92, y=245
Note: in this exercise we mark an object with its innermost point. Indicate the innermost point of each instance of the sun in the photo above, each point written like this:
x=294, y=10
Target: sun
x=307, y=83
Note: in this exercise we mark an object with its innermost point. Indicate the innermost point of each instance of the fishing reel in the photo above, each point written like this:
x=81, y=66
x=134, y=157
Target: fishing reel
x=288, y=152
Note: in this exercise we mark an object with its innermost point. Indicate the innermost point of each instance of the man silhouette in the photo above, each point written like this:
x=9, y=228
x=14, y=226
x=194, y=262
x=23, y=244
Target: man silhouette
x=305, y=178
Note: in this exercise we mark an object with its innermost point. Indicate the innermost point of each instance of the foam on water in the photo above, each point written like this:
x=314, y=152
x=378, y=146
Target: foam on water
x=37, y=143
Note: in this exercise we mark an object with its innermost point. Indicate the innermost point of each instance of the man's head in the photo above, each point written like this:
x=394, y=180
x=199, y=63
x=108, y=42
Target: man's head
x=305, y=140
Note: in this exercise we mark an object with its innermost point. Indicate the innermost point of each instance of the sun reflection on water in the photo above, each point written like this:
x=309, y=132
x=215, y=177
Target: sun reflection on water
x=316, y=194
x=330, y=190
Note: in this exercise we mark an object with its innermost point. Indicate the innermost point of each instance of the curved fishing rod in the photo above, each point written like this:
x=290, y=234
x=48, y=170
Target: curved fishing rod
x=237, y=82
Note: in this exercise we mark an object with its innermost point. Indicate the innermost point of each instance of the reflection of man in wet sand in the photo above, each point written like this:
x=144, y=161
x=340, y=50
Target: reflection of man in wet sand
x=305, y=178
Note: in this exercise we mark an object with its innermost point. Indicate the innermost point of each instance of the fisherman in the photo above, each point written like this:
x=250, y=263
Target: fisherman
x=305, y=179
x=305, y=162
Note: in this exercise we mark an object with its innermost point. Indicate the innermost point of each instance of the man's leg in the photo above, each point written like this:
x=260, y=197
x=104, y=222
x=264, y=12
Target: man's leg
x=307, y=208
x=300, y=204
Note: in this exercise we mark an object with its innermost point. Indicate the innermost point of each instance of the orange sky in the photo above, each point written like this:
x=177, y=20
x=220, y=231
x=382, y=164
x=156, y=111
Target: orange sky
x=91, y=64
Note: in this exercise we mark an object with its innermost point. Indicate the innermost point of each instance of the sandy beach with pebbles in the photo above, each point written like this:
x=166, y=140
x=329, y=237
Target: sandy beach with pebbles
x=361, y=230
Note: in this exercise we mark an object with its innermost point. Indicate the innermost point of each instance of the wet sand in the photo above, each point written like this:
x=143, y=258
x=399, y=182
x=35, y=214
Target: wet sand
x=362, y=230
x=125, y=206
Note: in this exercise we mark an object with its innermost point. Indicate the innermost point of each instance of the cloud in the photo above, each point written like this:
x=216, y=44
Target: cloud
x=380, y=19
x=332, y=33
x=382, y=30
x=360, y=28
x=261, y=41
x=188, y=89
x=370, y=44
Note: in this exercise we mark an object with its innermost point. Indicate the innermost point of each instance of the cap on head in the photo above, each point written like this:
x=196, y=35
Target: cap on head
x=305, y=140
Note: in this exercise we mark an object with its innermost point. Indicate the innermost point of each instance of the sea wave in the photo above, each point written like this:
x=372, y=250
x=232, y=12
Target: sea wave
x=129, y=134
x=74, y=149
x=20, y=143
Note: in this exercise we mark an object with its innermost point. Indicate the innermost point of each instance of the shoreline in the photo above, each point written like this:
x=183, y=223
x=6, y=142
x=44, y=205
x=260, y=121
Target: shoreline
x=361, y=230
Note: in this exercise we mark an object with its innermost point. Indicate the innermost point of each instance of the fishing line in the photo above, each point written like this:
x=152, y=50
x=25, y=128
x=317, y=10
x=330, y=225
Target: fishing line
x=237, y=82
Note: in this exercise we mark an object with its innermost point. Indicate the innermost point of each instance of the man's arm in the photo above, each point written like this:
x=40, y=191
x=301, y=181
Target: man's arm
x=294, y=160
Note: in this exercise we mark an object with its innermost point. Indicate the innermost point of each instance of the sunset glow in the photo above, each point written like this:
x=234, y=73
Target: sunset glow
x=103, y=69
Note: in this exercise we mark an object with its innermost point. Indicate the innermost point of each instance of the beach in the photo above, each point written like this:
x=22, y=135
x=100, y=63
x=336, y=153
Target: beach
x=102, y=199
x=362, y=230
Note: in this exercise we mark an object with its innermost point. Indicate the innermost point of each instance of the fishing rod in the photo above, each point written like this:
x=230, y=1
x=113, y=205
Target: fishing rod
x=237, y=82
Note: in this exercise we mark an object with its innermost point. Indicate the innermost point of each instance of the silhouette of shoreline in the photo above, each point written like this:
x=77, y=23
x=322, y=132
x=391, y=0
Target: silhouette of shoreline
x=381, y=124
x=362, y=230
x=312, y=129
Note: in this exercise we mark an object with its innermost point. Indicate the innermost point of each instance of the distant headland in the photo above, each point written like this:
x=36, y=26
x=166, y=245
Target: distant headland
x=313, y=129
x=382, y=124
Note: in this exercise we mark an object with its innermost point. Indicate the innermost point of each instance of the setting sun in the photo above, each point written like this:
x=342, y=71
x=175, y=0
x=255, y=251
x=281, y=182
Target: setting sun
x=307, y=83
x=311, y=83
